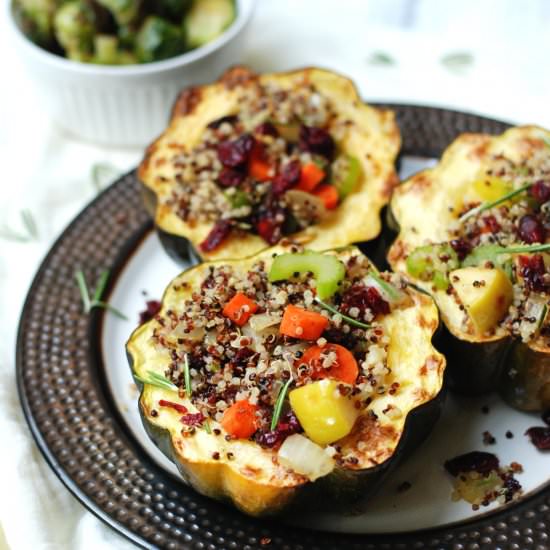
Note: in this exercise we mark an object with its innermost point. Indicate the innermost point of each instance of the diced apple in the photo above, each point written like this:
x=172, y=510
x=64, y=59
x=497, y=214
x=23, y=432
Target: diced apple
x=490, y=188
x=323, y=412
x=485, y=293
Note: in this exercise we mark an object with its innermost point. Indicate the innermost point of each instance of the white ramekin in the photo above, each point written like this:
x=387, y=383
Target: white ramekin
x=124, y=105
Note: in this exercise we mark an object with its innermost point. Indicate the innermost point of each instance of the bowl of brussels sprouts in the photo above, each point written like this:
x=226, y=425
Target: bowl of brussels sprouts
x=108, y=71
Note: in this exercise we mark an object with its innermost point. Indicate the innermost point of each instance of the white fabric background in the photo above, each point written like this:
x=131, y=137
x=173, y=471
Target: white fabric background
x=49, y=173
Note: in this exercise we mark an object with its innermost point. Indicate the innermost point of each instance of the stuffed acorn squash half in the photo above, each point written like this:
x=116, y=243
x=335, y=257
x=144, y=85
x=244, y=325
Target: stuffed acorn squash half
x=275, y=380
x=475, y=233
x=253, y=159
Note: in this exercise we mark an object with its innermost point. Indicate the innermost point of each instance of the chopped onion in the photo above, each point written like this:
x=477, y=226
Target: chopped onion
x=305, y=457
x=263, y=320
x=306, y=206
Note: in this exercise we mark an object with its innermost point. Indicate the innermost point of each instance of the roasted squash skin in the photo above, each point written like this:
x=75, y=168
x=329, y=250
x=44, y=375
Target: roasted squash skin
x=421, y=211
x=254, y=481
x=373, y=137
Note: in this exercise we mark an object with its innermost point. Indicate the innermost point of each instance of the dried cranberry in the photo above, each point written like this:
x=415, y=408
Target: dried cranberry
x=336, y=336
x=241, y=357
x=217, y=235
x=288, y=177
x=462, y=247
x=475, y=461
x=540, y=191
x=151, y=309
x=546, y=416
x=511, y=486
x=532, y=270
x=270, y=219
x=288, y=425
x=193, y=419
x=316, y=140
x=363, y=298
x=540, y=437
x=230, y=178
x=491, y=224
x=176, y=406
x=230, y=119
x=269, y=230
x=531, y=230
x=236, y=152
x=266, y=129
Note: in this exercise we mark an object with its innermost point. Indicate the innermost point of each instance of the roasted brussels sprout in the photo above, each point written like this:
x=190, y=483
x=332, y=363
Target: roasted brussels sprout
x=206, y=20
x=124, y=11
x=74, y=28
x=158, y=39
x=35, y=18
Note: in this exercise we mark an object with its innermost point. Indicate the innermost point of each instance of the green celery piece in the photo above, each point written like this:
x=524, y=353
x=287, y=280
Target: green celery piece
x=491, y=253
x=347, y=181
x=327, y=270
x=238, y=198
x=425, y=263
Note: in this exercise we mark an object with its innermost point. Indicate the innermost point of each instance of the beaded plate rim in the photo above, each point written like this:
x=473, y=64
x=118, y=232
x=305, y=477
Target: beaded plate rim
x=151, y=512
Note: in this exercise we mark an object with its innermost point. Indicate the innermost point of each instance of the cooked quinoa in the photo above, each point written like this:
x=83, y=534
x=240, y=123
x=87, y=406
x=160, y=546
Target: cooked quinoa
x=229, y=363
x=246, y=174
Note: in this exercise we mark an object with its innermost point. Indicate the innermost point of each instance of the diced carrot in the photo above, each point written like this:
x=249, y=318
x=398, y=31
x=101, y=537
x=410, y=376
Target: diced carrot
x=344, y=368
x=328, y=194
x=258, y=167
x=302, y=324
x=240, y=308
x=240, y=419
x=310, y=176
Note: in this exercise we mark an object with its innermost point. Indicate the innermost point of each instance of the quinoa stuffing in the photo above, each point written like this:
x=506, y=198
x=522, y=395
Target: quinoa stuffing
x=272, y=169
x=508, y=231
x=231, y=333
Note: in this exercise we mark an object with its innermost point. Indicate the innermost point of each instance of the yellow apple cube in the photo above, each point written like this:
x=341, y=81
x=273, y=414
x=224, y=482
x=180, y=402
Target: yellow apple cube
x=485, y=293
x=323, y=412
x=491, y=188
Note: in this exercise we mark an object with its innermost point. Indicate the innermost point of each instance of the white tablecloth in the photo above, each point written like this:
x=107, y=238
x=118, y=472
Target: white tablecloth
x=489, y=57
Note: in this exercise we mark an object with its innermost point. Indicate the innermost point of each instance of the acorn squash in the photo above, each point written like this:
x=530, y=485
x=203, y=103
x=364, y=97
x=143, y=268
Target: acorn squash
x=474, y=233
x=266, y=397
x=253, y=159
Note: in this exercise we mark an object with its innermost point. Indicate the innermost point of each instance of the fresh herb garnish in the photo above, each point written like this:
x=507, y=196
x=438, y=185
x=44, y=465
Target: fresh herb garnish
x=381, y=58
x=389, y=289
x=95, y=301
x=457, y=61
x=102, y=173
x=349, y=320
x=155, y=379
x=486, y=205
x=491, y=252
x=30, y=226
x=187, y=376
x=279, y=404
x=206, y=427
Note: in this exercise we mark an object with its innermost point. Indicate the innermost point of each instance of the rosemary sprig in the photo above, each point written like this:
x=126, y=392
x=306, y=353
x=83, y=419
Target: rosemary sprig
x=389, y=289
x=95, y=301
x=187, y=376
x=279, y=404
x=206, y=427
x=349, y=320
x=101, y=173
x=381, y=58
x=155, y=379
x=457, y=61
x=30, y=226
x=491, y=252
x=486, y=205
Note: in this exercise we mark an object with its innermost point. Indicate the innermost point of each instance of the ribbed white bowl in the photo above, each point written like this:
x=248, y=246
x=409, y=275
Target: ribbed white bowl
x=124, y=105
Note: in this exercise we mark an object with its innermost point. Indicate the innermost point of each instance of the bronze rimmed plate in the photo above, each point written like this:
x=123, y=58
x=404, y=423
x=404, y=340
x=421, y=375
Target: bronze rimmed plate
x=78, y=428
